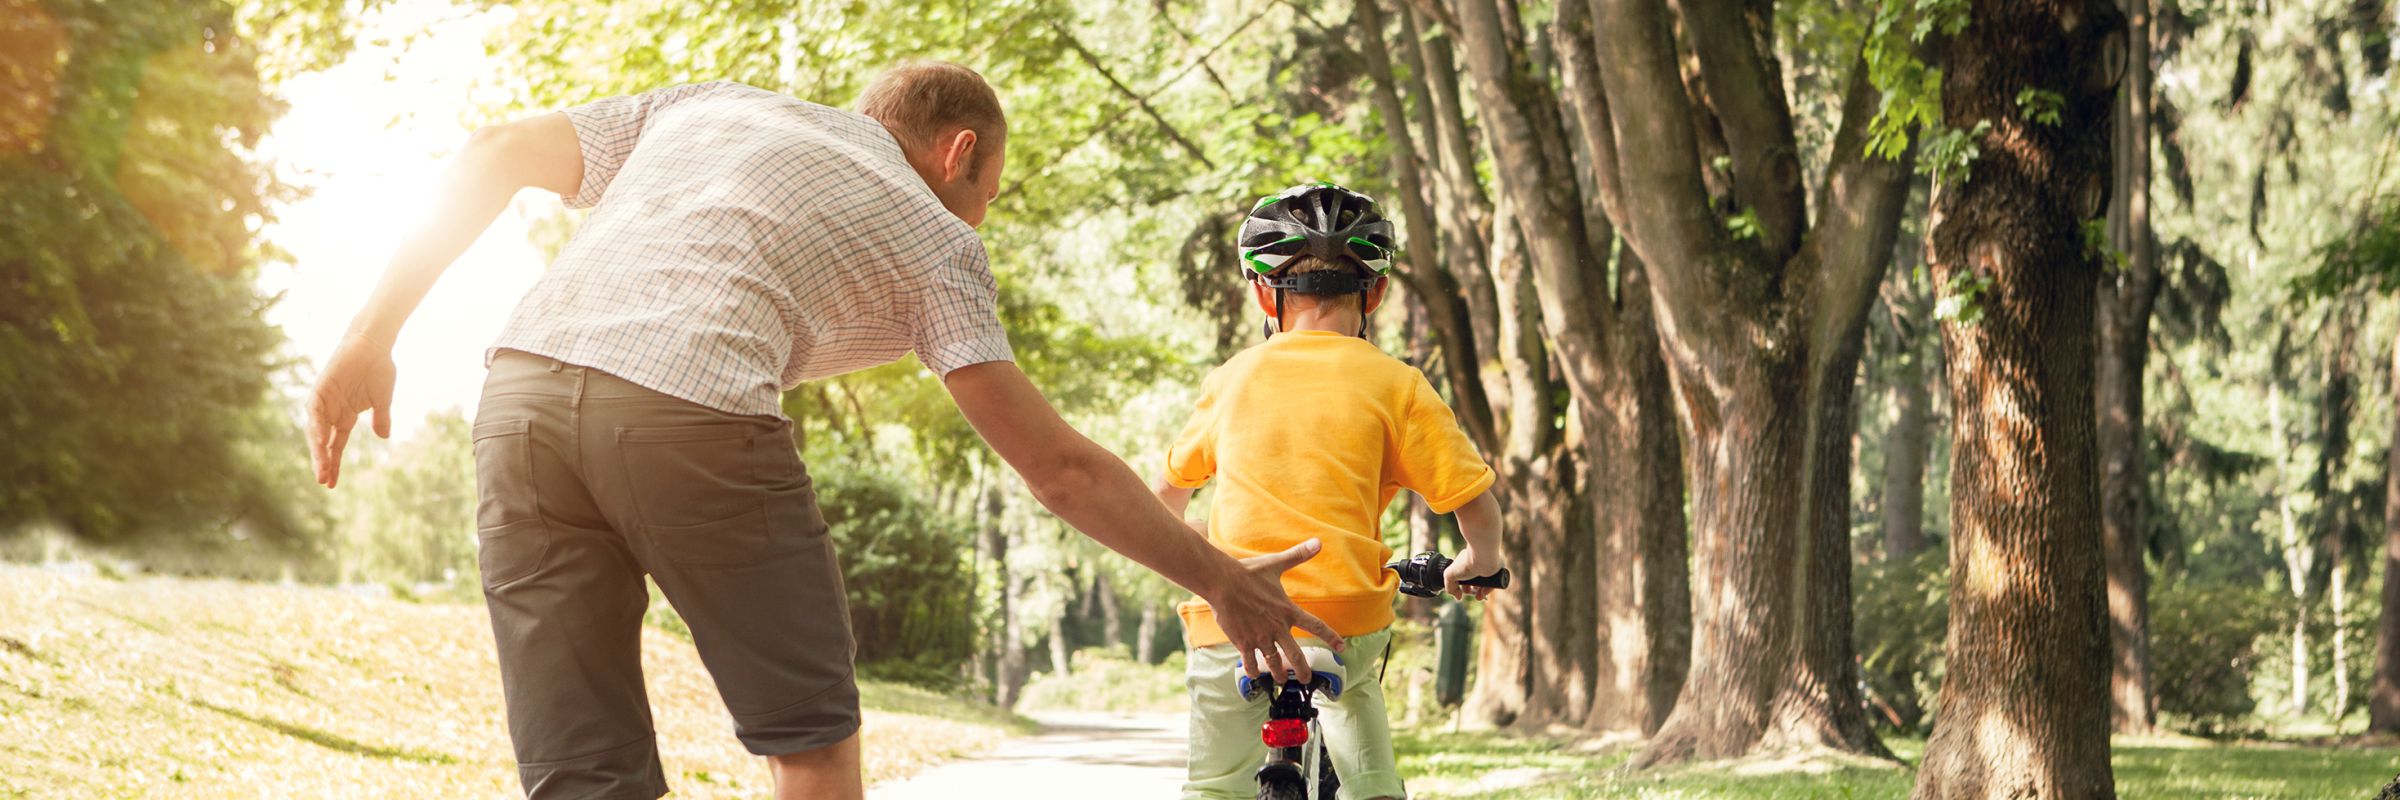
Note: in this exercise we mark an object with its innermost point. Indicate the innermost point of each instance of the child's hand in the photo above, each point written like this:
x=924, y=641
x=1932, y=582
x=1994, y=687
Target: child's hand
x=1469, y=565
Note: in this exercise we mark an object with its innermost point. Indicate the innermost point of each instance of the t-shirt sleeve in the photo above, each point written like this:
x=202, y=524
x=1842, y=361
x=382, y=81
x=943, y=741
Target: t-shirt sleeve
x=1192, y=460
x=608, y=129
x=958, y=315
x=1436, y=460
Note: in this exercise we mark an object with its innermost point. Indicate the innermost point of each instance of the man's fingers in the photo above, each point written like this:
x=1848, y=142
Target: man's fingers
x=383, y=416
x=1296, y=661
x=1288, y=558
x=333, y=452
x=1318, y=628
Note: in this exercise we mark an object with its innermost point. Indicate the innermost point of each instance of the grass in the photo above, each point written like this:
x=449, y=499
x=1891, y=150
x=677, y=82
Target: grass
x=1473, y=766
x=164, y=687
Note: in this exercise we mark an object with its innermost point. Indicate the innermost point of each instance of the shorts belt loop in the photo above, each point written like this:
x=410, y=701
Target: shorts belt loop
x=556, y=365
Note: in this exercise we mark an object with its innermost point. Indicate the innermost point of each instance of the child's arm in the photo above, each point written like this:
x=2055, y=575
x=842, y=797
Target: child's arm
x=1479, y=523
x=1176, y=498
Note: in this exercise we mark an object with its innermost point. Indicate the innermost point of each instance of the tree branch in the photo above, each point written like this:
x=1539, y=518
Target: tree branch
x=1746, y=91
x=1139, y=101
x=1666, y=216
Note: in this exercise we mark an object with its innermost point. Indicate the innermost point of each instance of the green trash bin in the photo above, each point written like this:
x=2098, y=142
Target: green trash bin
x=1454, y=632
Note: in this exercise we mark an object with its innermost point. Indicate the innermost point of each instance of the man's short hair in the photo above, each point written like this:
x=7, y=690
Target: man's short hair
x=921, y=100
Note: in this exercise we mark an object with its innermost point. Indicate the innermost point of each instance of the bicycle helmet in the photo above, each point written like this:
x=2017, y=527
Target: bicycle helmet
x=1323, y=220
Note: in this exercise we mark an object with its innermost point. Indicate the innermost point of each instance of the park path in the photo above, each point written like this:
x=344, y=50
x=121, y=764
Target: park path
x=1074, y=755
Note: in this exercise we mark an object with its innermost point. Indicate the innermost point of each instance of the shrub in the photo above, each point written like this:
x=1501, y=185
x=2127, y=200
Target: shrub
x=904, y=567
x=2204, y=648
x=1901, y=612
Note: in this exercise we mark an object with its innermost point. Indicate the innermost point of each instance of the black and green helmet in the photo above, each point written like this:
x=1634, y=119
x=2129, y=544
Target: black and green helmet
x=1322, y=220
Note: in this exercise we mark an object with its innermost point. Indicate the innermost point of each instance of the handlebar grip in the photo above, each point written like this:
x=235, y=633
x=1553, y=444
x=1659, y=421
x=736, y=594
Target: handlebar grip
x=1496, y=580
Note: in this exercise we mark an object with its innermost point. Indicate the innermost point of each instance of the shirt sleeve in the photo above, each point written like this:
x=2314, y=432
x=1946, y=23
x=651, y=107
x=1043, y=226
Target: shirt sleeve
x=608, y=129
x=958, y=316
x=1436, y=460
x=1192, y=460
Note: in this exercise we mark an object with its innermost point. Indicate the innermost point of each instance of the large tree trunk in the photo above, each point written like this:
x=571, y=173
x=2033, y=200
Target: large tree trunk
x=2383, y=704
x=2333, y=451
x=2024, y=703
x=2125, y=302
x=1637, y=497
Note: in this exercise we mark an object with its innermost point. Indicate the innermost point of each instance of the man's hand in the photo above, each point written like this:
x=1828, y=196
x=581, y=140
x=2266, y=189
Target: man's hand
x=1258, y=617
x=1470, y=564
x=1092, y=490
x=357, y=379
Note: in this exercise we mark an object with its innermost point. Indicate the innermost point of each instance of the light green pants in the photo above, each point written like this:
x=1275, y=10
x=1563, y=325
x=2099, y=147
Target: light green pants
x=1226, y=751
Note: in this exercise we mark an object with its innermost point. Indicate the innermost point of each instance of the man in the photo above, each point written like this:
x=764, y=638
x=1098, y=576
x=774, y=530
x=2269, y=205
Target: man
x=741, y=242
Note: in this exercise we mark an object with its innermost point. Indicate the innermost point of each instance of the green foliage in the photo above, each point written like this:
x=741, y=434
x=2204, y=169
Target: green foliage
x=904, y=568
x=409, y=517
x=1108, y=679
x=2368, y=256
x=2040, y=106
x=1744, y=225
x=1899, y=610
x=1911, y=88
x=2204, y=649
x=1949, y=153
x=2096, y=245
x=135, y=359
x=1962, y=300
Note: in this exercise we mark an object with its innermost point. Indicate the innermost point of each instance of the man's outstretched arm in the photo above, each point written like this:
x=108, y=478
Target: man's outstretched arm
x=496, y=162
x=1094, y=491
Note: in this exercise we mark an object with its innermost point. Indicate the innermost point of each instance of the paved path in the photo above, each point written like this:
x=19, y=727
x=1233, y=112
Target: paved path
x=1074, y=756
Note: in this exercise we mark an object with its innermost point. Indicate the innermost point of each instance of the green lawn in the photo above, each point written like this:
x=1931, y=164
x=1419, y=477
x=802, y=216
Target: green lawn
x=1485, y=767
x=167, y=688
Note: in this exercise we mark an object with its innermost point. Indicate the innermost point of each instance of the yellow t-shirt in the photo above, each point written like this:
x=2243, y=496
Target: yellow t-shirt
x=1309, y=435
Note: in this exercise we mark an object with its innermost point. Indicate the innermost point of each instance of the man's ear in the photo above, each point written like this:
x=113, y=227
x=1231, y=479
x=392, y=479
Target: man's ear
x=958, y=155
x=1266, y=297
x=1375, y=294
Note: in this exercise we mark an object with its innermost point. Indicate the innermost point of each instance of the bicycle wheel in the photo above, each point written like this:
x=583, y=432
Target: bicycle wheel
x=1281, y=784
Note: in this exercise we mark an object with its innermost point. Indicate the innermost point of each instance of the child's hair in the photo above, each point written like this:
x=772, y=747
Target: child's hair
x=1303, y=265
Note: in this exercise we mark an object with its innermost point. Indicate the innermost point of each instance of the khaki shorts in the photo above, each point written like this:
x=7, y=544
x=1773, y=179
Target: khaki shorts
x=1226, y=751
x=586, y=482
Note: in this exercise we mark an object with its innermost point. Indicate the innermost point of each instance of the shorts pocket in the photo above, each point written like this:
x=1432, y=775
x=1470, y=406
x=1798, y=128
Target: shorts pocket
x=511, y=552
x=691, y=475
x=504, y=473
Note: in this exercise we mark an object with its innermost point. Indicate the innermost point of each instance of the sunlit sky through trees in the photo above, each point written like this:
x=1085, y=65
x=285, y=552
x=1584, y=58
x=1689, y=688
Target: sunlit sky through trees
x=368, y=138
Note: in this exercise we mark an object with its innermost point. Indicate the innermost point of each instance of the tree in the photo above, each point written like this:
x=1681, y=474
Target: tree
x=135, y=359
x=1760, y=316
x=2024, y=710
x=2126, y=297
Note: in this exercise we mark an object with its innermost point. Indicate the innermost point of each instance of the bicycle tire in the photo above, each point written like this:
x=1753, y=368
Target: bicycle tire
x=1277, y=788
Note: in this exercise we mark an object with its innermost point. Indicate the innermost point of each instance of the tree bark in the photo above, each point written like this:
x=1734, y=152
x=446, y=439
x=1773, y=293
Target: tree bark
x=2024, y=703
x=2126, y=299
x=1008, y=664
x=1906, y=444
x=2383, y=701
x=1145, y=644
x=1761, y=337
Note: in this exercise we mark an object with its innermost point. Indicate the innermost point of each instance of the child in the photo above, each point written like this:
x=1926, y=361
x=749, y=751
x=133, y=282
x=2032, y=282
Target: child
x=1310, y=435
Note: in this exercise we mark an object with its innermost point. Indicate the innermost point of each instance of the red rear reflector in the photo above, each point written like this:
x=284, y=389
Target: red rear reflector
x=1284, y=732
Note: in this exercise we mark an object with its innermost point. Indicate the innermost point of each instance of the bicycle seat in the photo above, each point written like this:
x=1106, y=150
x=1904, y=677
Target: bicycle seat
x=1323, y=661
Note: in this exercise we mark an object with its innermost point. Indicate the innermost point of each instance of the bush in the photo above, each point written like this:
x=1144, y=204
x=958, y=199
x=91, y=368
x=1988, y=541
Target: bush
x=904, y=566
x=1901, y=612
x=2204, y=649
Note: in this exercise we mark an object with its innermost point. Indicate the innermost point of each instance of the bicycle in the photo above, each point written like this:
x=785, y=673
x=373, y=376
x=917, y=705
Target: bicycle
x=1295, y=743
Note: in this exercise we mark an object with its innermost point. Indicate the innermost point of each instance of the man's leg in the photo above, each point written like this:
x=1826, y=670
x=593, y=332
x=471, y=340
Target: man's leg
x=565, y=598
x=831, y=772
x=723, y=515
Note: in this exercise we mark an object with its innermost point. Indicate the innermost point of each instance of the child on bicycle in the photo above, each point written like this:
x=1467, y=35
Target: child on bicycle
x=1309, y=436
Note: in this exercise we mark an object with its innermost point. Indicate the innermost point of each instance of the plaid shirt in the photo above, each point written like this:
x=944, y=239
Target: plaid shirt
x=743, y=242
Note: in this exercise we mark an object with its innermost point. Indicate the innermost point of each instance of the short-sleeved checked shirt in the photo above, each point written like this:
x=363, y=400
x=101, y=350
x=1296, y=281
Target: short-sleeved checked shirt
x=744, y=241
